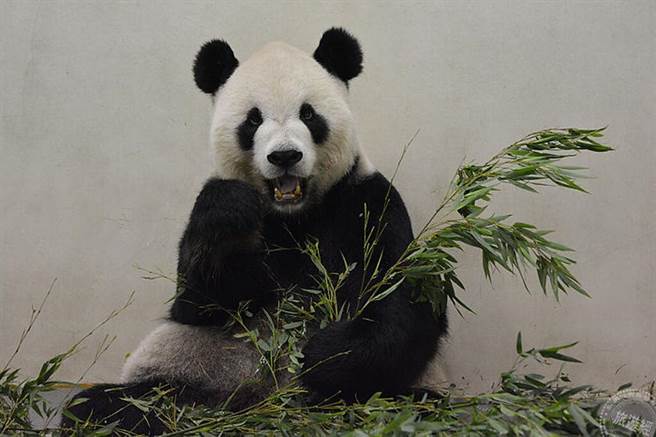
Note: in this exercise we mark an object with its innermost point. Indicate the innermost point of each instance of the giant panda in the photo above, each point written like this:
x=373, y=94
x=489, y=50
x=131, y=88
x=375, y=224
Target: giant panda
x=288, y=168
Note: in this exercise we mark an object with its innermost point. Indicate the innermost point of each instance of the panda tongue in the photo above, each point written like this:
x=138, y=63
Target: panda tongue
x=287, y=183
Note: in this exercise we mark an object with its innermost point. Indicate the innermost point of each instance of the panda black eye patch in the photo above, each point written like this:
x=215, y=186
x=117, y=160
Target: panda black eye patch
x=246, y=130
x=315, y=122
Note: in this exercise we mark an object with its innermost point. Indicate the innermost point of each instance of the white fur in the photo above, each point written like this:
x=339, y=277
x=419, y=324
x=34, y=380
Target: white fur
x=278, y=79
x=201, y=355
x=434, y=376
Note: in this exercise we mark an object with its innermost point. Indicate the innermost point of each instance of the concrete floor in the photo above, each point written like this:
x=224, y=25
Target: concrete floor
x=55, y=399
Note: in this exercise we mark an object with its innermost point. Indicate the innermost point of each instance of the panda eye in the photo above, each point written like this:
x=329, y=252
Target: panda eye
x=254, y=117
x=307, y=112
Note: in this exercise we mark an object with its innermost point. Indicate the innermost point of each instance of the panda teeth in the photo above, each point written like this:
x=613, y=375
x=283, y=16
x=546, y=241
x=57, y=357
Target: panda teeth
x=289, y=194
x=277, y=194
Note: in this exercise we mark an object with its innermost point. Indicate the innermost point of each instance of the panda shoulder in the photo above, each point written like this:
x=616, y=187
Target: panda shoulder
x=377, y=192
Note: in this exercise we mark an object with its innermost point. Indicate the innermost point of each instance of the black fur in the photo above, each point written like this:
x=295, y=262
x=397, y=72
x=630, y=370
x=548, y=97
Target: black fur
x=213, y=65
x=339, y=53
x=222, y=262
x=388, y=346
x=107, y=403
x=315, y=122
x=246, y=130
x=106, y=398
x=221, y=237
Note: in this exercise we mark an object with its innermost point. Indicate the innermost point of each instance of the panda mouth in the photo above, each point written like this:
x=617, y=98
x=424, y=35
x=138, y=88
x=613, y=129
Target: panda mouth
x=288, y=189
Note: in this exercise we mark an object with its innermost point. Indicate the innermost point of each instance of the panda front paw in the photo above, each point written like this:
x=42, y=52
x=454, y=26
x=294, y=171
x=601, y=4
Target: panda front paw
x=328, y=364
x=226, y=208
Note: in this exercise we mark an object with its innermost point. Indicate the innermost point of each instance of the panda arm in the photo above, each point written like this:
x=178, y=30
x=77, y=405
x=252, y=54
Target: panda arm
x=221, y=258
x=389, y=345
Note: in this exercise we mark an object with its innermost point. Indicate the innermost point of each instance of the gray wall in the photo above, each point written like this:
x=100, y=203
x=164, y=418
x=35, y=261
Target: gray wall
x=103, y=143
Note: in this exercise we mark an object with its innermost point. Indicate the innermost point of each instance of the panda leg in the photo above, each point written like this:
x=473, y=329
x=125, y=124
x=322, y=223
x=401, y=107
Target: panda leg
x=106, y=403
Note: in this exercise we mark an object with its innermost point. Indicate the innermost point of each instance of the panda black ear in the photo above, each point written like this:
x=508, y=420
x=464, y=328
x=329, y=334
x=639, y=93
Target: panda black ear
x=339, y=53
x=214, y=64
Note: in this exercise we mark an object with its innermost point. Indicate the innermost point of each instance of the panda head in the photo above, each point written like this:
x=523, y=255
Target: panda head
x=281, y=120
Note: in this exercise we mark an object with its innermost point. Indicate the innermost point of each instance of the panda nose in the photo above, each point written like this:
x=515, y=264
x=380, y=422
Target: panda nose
x=284, y=158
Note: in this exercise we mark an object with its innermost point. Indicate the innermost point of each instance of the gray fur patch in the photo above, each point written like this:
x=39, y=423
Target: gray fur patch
x=204, y=356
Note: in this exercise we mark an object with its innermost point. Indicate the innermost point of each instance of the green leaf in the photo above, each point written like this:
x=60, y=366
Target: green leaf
x=578, y=419
x=518, y=343
x=292, y=325
x=558, y=356
x=264, y=345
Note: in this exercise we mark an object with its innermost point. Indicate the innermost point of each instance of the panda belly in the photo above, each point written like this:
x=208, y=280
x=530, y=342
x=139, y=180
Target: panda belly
x=204, y=357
